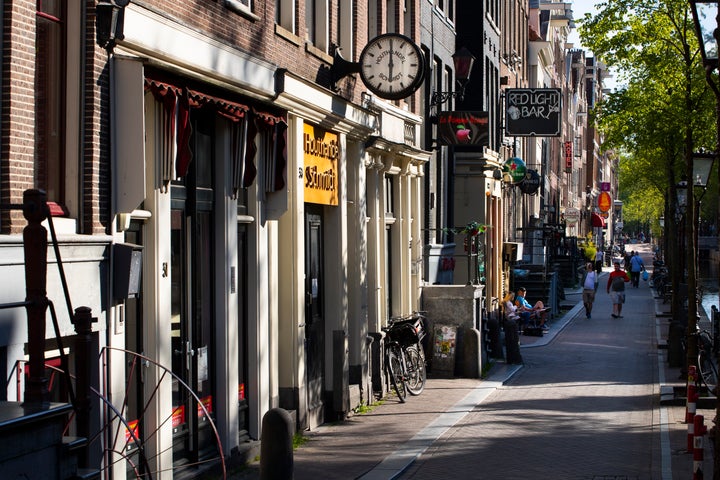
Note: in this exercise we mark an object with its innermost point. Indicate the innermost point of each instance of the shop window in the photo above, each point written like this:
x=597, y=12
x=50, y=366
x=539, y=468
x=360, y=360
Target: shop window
x=253, y=131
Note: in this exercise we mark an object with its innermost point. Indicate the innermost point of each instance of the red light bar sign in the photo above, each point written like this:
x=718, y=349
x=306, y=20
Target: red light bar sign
x=568, y=156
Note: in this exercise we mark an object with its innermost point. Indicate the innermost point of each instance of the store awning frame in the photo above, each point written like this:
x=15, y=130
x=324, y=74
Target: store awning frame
x=597, y=221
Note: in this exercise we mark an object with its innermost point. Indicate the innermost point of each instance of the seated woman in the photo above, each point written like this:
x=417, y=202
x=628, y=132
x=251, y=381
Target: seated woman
x=511, y=310
x=530, y=313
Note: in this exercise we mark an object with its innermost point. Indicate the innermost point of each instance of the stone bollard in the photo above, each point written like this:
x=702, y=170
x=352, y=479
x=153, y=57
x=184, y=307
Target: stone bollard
x=512, y=342
x=276, y=450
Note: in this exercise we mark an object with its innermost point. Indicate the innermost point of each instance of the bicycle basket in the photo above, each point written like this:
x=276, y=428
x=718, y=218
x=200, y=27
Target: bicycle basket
x=407, y=331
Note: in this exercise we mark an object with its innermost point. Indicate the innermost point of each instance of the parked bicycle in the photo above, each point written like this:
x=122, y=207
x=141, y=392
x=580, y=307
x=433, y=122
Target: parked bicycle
x=404, y=355
x=707, y=358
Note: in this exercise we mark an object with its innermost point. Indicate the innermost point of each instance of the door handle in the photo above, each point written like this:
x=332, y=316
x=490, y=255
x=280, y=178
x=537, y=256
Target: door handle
x=189, y=353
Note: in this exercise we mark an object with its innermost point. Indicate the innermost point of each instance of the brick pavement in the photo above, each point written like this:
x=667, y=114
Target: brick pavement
x=585, y=405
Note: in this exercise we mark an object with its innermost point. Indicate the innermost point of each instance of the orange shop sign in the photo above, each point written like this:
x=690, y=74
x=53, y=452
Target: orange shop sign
x=604, y=202
x=321, y=155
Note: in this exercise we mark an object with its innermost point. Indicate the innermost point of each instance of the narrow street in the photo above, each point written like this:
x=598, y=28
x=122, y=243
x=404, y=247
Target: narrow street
x=584, y=406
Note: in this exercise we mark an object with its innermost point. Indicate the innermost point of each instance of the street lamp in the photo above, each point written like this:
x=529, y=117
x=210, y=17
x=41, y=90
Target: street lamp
x=705, y=17
x=702, y=167
x=681, y=192
x=463, y=61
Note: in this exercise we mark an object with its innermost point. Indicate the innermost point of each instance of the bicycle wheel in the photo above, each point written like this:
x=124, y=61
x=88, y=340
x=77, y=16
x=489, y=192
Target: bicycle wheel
x=706, y=364
x=394, y=365
x=416, y=370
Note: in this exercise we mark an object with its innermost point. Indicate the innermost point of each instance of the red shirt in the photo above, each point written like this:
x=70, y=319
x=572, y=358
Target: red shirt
x=614, y=274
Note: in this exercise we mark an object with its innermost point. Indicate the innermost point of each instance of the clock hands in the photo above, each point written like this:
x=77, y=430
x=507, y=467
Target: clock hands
x=391, y=64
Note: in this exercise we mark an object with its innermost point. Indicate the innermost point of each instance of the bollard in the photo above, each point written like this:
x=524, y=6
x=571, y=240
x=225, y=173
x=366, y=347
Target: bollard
x=512, y=342
x=691, y=394
x=690, y=406
x=276, y=451
x=698, y=453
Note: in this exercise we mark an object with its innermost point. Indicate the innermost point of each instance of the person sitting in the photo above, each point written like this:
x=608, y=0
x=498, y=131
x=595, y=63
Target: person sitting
x=530, y=313
x=511, y=310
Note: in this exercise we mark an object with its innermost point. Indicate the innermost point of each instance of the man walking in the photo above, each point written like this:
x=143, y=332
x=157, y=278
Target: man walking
x=636, y=266
x=616, y=288
x=590, y=285
x=599, y=255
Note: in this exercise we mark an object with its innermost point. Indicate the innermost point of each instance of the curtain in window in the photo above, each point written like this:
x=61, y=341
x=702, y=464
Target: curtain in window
x=175, y=154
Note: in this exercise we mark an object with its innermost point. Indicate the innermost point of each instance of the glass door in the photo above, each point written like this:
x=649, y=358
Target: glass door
x=192, y=275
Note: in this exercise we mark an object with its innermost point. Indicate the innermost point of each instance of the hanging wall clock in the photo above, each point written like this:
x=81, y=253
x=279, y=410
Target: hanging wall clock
x=392, y=66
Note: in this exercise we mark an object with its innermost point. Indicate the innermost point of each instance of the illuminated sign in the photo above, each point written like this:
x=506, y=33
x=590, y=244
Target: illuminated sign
x=463, y=128
x=320, y=176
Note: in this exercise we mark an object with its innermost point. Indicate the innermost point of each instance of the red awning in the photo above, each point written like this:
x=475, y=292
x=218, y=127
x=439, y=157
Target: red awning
x=597, y=220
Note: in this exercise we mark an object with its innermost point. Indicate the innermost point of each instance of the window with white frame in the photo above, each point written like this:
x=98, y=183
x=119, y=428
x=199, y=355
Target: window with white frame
x=346, y=28
x=239, y=5
x=285, y=14
x=317, y=23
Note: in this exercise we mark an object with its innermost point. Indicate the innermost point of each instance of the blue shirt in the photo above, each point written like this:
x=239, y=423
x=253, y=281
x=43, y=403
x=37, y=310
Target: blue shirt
x=636, y=263
x=521, y=302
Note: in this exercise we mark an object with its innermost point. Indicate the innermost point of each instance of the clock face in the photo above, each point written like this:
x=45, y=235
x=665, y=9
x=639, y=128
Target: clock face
x=392, y=66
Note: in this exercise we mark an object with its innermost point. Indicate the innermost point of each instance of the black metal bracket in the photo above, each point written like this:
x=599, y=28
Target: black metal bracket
x=341, y=68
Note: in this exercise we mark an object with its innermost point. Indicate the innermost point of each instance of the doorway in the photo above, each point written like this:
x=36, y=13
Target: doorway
x=314, y=319
x=192, y=299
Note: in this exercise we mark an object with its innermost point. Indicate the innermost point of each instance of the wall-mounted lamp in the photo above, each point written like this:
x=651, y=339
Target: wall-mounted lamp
x=109, y=20
x=463, y=60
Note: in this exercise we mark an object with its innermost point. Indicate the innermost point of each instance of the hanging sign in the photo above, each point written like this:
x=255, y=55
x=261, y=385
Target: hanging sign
x=515, y=166
x=572, y=215
x=533, y=112
x=463, y=128
x=604, y=202
x=568, y=156
x=530, y=184
x=322, y=153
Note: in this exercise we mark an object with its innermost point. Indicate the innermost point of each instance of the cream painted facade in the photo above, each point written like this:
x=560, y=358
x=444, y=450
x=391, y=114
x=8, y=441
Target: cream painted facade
x=371, y=255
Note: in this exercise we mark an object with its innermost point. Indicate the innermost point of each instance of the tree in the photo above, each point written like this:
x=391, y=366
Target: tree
x=655, y=122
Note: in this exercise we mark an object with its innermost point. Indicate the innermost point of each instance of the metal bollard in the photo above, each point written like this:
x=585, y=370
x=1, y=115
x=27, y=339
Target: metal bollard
x=276, y=451
x=691, y=405
x=698, y=452
x=512, y=342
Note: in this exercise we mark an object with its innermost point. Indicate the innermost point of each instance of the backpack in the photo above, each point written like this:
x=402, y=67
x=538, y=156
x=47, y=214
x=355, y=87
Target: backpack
x=618, y=284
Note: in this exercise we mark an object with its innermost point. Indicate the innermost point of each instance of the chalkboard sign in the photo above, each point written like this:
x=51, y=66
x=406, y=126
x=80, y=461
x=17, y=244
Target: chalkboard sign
x=533, y=112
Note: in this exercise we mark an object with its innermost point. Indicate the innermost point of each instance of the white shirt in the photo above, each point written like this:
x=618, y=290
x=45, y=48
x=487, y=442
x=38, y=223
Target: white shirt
x=589, y=281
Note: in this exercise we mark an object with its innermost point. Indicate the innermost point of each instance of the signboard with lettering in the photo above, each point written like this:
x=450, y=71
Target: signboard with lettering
x=572, y=215
x=463, y=128
x=531, y=183
x=533, y=112
x=604, y=202
x=516, y=167
x=321, y=155
x=568, y=156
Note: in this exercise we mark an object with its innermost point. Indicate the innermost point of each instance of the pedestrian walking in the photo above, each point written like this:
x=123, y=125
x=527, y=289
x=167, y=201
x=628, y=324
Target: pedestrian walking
x=590, y=285
x=599, y=256
x=636, y=266
x=616, y=288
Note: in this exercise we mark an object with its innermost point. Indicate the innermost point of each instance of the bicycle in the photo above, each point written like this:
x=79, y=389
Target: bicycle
x=706, y=360
x=404, y=355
